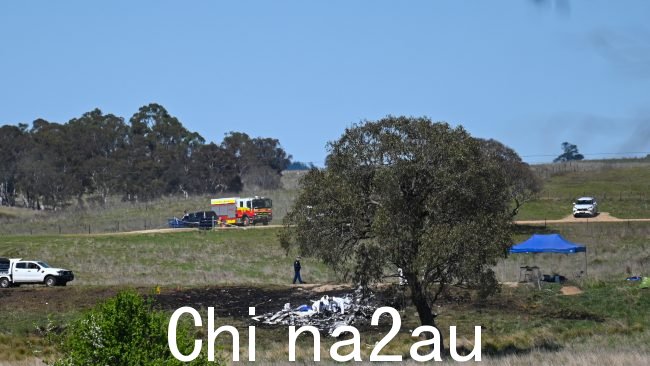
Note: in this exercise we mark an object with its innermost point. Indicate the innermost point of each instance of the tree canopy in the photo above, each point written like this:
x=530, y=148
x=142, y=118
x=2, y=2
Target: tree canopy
x=406, y=193
x=151, y=155
x=570, y=152
x=522, y=183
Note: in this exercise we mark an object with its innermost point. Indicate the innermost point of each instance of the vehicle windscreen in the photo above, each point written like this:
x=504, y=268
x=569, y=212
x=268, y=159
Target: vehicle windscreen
x=43, y=264
x=584, y=202
x=262, y=203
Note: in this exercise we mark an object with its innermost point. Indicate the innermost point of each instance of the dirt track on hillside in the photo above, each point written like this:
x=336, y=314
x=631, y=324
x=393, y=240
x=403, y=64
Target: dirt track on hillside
x=178, y=230
x=602, y=217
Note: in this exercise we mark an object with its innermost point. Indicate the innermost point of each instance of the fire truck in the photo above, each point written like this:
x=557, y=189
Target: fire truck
x=243, y=211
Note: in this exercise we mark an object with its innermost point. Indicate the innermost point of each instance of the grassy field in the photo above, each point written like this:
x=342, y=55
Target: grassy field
x=621, y=188
x=119, y=216
x=536, y=324
x=614, y=251
x=253, y=256
x=608, y=323
x=192, y=258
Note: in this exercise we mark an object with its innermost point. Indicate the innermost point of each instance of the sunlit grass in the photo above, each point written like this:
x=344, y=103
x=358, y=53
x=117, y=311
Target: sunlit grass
x=622, y=189
x=185, y=258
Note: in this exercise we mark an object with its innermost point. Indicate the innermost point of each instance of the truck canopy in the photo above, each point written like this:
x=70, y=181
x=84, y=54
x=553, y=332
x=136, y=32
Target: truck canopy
x=4, y=264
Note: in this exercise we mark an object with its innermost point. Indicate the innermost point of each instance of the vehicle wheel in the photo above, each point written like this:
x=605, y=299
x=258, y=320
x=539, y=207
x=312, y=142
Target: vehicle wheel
x=265, y=222
x=50, y=281
x=245, y=221
x=4, y=283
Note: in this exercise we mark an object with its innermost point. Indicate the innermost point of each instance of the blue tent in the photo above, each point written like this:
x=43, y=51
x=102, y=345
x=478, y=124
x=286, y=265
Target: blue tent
x=547, y=243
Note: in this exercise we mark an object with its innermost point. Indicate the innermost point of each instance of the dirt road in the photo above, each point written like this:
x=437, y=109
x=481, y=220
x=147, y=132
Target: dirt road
x=178, y=230
x=602, y=217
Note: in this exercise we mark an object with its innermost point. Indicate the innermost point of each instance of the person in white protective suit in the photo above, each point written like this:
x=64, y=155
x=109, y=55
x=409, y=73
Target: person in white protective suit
x=321, y=304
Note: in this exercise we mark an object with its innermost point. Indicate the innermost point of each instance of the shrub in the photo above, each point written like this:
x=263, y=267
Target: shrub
x=123, y=331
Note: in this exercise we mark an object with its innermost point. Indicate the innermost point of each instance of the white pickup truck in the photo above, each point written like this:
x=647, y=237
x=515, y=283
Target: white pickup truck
x=16, y=271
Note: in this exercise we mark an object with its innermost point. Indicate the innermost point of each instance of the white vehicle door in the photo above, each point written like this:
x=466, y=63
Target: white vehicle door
x=20, y=273
x=35, y=271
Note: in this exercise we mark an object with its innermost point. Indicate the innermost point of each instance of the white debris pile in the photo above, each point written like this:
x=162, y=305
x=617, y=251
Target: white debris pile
x=326, y=313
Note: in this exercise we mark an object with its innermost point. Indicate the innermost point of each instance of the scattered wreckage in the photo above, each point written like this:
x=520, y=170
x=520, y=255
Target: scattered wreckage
x=326, y=313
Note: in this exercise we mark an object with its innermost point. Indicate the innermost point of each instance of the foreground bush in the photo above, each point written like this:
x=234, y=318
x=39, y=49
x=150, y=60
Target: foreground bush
x=123, y=331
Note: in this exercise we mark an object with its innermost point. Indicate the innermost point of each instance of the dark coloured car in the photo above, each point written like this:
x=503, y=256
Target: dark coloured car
x=193, y=219
x=199, y=219
x=207, y=219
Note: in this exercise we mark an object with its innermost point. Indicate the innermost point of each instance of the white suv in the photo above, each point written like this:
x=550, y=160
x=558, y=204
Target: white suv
x=585, y=206
x=15, y=272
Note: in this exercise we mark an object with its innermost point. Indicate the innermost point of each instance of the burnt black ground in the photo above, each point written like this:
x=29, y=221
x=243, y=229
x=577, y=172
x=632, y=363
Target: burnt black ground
x=235, y=301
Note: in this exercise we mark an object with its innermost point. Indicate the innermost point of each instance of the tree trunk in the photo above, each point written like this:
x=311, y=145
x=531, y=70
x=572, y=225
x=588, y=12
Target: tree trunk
x=423, y=308
x=420, y=302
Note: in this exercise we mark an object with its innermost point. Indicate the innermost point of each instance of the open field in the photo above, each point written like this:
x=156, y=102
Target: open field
x=252, y=256
x=519, y=324
x=234, y=269
x=119, y=216
x=170, y=259
x=622, y=188
x=611, y=315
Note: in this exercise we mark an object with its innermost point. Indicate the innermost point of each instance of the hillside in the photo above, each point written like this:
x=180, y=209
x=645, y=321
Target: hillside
x=119, y=216
x=233, y=269
x=621, y=187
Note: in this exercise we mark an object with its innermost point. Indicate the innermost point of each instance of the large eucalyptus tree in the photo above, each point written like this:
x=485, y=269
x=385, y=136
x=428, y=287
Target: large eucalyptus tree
x=406, y=193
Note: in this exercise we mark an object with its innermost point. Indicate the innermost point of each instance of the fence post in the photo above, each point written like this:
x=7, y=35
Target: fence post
x=88, y=228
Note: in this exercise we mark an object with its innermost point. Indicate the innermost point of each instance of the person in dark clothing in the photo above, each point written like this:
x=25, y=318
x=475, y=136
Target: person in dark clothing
x=296, y=271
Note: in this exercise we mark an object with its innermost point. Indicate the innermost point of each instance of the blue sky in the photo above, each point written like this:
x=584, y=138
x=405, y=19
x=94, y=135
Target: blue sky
x=531, y=74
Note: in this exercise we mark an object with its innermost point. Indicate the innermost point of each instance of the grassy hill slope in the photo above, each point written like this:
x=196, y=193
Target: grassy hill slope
x=622, y=189
x=118, y=216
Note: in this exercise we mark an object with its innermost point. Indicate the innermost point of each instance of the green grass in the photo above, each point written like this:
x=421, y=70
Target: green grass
x=621, y=187
x=615, y=250
x=611, y=315
x=622, y=190
x=184, y=258
x=518, y=320
x=254, y=256
x=544, y=210
x=119, y=216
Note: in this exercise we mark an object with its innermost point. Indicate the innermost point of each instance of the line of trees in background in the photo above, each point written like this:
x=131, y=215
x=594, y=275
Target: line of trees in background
x=152, y=155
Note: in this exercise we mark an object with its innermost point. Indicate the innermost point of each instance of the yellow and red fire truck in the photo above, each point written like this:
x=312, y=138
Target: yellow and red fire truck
x=243, y=210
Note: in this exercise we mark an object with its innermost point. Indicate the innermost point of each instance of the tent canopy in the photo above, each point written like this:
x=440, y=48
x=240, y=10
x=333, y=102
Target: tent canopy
x=547, y=243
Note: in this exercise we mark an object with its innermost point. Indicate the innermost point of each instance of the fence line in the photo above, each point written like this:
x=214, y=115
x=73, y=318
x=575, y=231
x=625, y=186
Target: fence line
x=86, y=227
x=600, y=197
